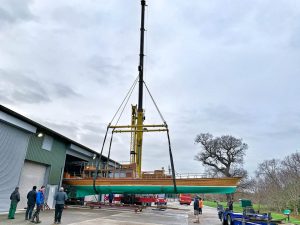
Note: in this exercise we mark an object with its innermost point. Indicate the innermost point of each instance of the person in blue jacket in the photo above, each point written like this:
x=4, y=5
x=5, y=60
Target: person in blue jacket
x=39, y=205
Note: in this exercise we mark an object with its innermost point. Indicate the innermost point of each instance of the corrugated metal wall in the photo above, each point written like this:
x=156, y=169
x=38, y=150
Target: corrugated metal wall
x=13, y=145
x=54, y=158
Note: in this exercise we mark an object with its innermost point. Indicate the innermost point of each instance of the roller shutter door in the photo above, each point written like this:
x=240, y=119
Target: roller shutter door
x=13, y=145
x=32, y=174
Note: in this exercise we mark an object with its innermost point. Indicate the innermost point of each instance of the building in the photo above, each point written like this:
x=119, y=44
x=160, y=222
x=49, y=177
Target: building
x=32, y=154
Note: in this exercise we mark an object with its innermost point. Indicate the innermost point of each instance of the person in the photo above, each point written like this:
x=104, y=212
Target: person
x=14, y=199
x=230, y=205
x=196, y=209
x=60, y=198
x=31, y=199
x=43, y=189
x=39, y=204
x=110, y=198
x=200, y=206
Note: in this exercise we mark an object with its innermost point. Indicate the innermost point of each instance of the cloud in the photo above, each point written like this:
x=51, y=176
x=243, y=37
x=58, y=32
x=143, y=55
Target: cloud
x=105, y=70
x=283, y=126
x=226, y=115
x=90, y=134
x=28, y=96
x=212, y=66
x=63, y=91
x=20, y=88
x=67, y=129
x=13, y=11
x=3, y=96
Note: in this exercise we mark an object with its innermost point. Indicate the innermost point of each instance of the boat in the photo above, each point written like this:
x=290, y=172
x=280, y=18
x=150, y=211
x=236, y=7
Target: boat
x=129, y=178
x=85, y=187
x=121, y=180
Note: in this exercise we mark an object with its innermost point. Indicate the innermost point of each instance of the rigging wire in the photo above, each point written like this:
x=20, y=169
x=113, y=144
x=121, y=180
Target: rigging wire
x=169, y=142
x=98, y=162
x=130, y=90
x=172, y=162
x=161, y=116
x=135, y=82
x=108, y=156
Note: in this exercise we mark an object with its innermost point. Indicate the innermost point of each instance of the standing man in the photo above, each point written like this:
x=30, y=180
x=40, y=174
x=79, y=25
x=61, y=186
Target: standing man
x=39, y=204
x=196, y=209
x=14, y=199
x=60, y=198
x=31, y=199
x=110, y=198
x=200, y=206
x=43, y=189
x=230, y=205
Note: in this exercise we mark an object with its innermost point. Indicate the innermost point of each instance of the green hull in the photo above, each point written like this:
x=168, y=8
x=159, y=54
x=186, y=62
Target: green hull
x=82, y=191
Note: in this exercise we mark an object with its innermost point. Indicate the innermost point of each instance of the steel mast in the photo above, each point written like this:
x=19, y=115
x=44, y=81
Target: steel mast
x=140, y=110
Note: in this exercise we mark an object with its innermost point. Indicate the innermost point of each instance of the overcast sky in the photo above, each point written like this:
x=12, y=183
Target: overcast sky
x=224, y=67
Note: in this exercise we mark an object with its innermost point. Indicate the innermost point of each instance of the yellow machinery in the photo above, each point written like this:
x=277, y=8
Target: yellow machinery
x=137, y=127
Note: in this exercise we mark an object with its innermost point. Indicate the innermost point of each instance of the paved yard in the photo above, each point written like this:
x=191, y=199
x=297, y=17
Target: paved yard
x=183, y=215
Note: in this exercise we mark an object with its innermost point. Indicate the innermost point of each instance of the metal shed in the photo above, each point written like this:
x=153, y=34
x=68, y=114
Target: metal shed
x=32, y=154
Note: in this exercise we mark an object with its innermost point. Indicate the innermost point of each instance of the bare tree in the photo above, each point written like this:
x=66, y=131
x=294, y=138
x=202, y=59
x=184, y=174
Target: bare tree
x=291, y=180
x=292, y=165
x=279, y=182
x=222, y=156
x=270, y=183
x=269, y=171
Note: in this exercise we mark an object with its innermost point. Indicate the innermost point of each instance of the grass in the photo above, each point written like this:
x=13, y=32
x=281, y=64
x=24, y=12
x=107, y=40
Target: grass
x=238, y=208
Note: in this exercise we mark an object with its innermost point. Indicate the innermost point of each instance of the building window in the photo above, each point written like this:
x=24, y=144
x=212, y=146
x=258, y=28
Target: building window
x=47, y=143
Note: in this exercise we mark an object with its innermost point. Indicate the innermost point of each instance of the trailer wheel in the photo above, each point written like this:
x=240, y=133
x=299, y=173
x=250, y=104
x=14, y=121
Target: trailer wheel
x=229, y=220
x=223, y=221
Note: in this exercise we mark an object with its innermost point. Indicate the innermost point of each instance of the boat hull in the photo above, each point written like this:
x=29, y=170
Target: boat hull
x=83, y=187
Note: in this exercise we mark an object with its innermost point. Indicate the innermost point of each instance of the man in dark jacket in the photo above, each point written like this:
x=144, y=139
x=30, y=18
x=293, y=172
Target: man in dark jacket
x=15, y=198
x=230, y=205
x=196, y=209
x=60, y=198
x=39, y=204
x=31, y=199
x=110, y=198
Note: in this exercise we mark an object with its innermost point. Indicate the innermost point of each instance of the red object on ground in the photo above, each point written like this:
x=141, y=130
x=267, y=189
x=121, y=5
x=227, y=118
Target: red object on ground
x=146, y=199
x=185, y=199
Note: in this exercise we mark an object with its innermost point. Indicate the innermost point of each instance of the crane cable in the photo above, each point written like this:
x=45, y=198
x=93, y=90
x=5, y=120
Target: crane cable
x=128, y=95
x=129, y=92
x=161, y=116
x=132, y=88
x=169, y=142
x=98, y=162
